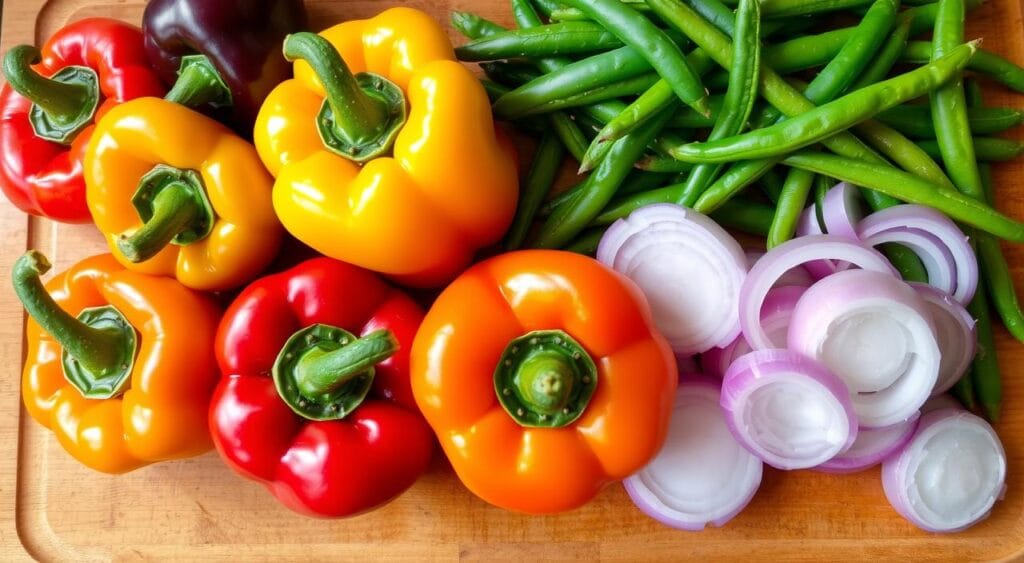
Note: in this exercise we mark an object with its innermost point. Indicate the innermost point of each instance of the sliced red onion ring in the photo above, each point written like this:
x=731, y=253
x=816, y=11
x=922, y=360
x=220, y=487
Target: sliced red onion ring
x=876, y=333
x=902, y=217
x=789, y=255
x=841, y=211
x=775, y=314
x=689, y=268
x=701, y=475
x=938, y=261
x=950, y=475
x=871, y=447
x=787, y=409
x=954, y=329
x=798, y=277
x=808, y=226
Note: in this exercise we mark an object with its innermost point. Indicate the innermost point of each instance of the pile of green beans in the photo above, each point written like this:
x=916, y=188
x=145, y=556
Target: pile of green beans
x=694, y=101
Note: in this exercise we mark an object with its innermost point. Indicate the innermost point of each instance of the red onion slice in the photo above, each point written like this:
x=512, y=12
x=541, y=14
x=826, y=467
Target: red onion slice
x=689, y=268
x=808, y=226
x=871, y=447
x=701, y=475
x=876, y=333
x=938, y=261
x=787, y=409
x=840, y=211
x=775, y=314
x=789, y=255
x=920, y=218
x=798, y=277
x=954, y=329
x=950, y=475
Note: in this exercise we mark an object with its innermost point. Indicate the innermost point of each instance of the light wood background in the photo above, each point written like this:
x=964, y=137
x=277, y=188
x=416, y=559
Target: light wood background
x=51, y=508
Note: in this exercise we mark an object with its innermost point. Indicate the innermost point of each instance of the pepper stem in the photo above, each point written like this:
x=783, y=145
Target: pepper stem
x=99, y=346
x=199, y=83
x=322, y=372
x=362, y=113
x=63, y=104
x=174, y=208
x=545, y=379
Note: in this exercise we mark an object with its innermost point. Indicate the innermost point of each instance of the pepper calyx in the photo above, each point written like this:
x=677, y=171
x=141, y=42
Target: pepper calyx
x=174, y=208
x=325, y=372
x=545, y=379
x=63, y=104
x=200, y=83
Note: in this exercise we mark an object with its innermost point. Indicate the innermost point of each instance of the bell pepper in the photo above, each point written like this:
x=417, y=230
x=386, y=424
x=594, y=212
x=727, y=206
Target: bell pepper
x=411, y=194
x=120, y=366
x=47, y=110
x=315, y=400
x=178, y=194
x=221, y=53
x=544, y=379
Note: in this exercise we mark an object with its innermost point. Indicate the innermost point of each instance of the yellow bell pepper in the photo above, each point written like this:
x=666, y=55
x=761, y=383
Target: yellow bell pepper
x=398, y=168
x=179, y=195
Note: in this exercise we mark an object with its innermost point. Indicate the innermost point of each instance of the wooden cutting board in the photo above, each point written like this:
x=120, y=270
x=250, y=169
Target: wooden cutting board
x=52, y=508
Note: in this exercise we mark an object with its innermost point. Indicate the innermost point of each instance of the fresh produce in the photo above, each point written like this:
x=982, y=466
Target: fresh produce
x=417, y=211
x=701, y=476
x=689, y=268
x=223, y=54
x=555, y=369
x=954, y=333
x=177, y=194
x=872, y=446
x=315, y=400
x=49, y=109
x=775, y=315
x=968, y=465
x=120, y=366
x=787, y=409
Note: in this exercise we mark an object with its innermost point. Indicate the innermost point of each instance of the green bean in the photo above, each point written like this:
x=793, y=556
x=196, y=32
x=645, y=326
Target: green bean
x=831, y=118
x=563, y=13
x=660, y=51
x=911, y=189
x=964, y=390
x=637, y=182
x=686, y=118
x=885, y=59
x=572, y=217
x=536, y=185
x=806, y=52
x=586, y=243
x=998, y=68
x=747, y=216
x=598, y=70
x=546, y=7
x=986, y=149
x=510, y=73
x=569, y=38
x=984, y=374
x=791, y=203
x=663, y=164
x=902, y=151
x=614, y=91
x=916, y=121
x=739, y=98
x=788, y=8
x=474, y=26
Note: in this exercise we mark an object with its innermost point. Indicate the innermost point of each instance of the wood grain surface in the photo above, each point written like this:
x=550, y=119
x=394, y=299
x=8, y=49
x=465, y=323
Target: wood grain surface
x=53, y=509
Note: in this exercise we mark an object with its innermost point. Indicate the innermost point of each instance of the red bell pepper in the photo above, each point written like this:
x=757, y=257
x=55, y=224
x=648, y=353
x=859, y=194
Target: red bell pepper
x=47, y=111
x=315, y=400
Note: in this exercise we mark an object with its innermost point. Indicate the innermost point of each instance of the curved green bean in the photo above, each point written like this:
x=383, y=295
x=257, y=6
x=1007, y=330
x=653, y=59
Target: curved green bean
x=911, y=189
x=986, y=62
x=885, y=59
x=614, y=91
x=536, y=185
x=739, y=98
x=986, y=149
x=652, y=43
x=788, y=8
x=569, y=38
x=916, y=121
x=831, y=118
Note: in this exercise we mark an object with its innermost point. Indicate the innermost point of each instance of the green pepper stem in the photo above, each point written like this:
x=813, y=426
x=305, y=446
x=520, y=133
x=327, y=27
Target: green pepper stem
x=175, y=209
x=321, y=372
x=545, y=382
x=97, y=350
x=199, y=83
x=358, y=117
x=60, y=101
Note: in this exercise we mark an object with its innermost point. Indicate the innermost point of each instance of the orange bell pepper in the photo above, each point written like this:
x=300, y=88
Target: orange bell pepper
x=385, y=151
x=120, y=366
x=544, y=379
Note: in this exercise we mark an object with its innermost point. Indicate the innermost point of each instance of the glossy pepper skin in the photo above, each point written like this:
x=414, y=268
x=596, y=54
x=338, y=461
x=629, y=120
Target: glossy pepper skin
x=143, y=135
x=242, y=38
x=43, y=177
x=495, y=310
x=162, y=414
x=449, y=187
x=325, y=468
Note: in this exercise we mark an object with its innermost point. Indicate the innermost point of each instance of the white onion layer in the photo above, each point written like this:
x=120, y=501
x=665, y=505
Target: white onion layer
x=701, y=475
x=787, y=409
x=775, y=314
x=954, y=329
x=871, y=447
x=950, y=475
x=875, y=332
